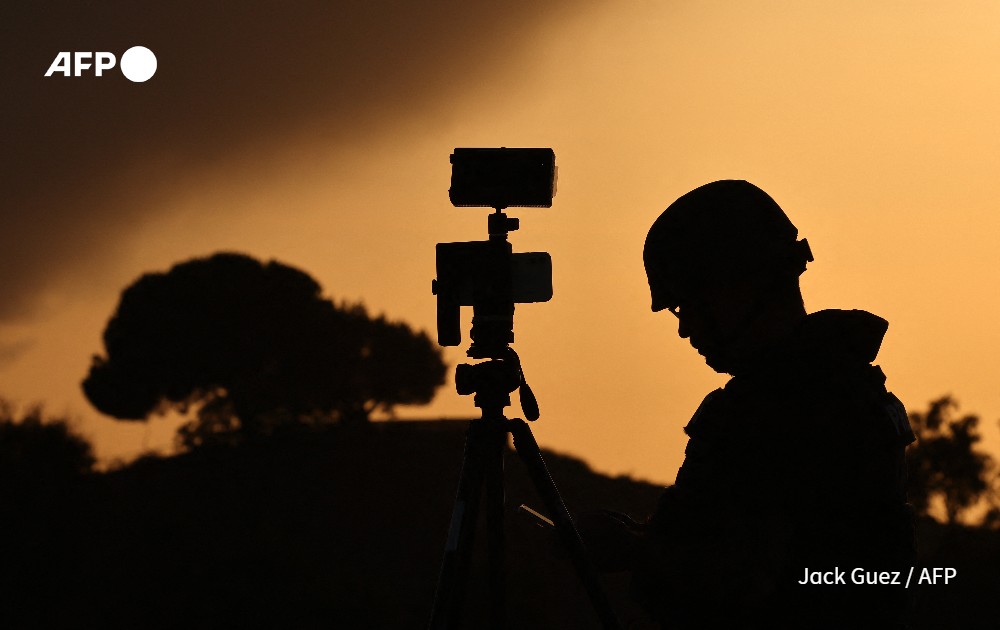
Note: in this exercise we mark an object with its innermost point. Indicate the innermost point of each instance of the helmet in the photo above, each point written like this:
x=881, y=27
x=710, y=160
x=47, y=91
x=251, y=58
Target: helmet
x=725, y=230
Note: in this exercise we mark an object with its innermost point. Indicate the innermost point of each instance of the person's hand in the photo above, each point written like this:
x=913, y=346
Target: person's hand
x=612, y=539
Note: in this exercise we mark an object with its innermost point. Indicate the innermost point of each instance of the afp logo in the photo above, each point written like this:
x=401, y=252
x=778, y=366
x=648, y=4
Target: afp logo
x=138, y=64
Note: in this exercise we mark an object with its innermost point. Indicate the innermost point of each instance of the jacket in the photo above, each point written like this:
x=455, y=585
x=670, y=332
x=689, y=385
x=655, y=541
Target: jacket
x=795, y=466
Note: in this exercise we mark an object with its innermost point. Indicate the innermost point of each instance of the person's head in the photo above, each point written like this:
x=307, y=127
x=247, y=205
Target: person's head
x=725, y=260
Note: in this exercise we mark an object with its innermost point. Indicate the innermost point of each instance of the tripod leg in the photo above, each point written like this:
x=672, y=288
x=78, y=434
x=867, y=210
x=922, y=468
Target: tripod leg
x=450, y=594
x=527, y=449
x=494, y=521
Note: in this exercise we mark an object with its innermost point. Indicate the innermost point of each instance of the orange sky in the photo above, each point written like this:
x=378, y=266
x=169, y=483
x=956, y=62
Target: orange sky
x=873, y=124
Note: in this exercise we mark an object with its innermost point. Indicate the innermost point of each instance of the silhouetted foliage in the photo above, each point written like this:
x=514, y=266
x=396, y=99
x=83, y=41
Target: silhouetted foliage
x=346, y=529
x=255, y=347
x=37, y=450
x=944, y=461
x=44, y=466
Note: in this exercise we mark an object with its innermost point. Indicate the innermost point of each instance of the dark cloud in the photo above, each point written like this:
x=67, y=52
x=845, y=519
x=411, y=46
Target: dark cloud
x=79, y=154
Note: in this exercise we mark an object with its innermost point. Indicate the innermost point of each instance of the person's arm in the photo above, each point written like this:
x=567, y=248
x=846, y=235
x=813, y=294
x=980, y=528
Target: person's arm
x=612, y=539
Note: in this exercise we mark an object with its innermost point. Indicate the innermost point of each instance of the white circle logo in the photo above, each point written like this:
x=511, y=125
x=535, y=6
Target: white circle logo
x=138, y=64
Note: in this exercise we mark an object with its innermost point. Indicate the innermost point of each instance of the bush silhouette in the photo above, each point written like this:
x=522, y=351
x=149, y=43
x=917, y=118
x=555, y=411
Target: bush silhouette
x=36, y=450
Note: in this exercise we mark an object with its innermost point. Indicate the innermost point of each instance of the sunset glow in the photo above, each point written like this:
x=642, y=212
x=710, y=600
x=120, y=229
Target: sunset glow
x=322, y=141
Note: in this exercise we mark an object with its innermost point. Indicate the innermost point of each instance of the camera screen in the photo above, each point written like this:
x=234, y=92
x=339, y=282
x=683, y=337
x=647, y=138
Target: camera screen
x=503, y=178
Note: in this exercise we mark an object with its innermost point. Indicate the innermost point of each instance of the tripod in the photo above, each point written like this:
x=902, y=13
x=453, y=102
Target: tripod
x=492, y=382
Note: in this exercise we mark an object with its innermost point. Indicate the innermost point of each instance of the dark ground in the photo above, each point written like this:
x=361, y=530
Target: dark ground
x=336, y=529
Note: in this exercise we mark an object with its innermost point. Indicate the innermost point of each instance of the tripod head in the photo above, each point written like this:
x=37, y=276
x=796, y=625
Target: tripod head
x=488, y=276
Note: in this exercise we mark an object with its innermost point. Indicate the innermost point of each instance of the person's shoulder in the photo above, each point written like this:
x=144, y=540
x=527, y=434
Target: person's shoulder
x=845, y=403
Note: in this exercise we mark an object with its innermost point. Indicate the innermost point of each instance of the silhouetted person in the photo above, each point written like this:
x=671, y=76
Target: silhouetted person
x=795, y=465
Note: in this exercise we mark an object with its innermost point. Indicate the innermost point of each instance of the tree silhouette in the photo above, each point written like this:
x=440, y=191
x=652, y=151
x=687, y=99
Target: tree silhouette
x=254, y=346
x=944, y=461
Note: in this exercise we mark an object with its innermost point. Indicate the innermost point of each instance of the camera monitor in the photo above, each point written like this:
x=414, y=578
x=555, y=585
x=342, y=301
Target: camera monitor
x=503, y=178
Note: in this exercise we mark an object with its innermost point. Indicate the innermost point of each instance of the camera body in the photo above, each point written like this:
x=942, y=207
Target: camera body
x=487, y=275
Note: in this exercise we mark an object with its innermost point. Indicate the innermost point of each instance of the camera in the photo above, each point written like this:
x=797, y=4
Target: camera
x=487, y=275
